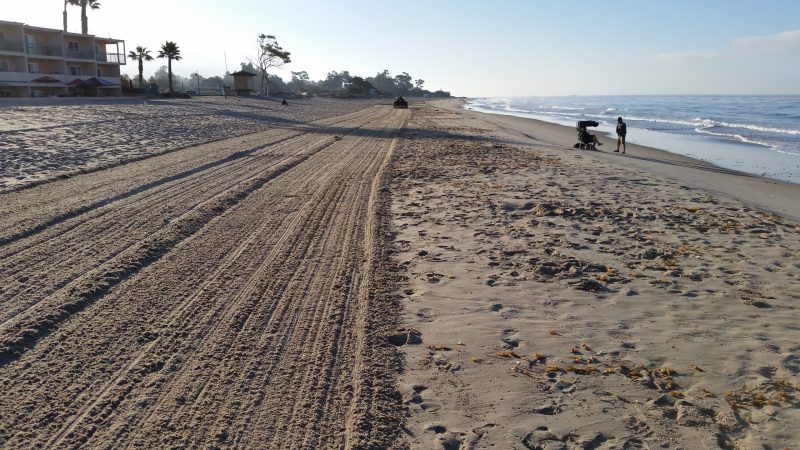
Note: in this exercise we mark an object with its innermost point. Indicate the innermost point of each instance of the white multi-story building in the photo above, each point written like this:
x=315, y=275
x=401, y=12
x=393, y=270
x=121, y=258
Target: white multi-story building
x=46, y=62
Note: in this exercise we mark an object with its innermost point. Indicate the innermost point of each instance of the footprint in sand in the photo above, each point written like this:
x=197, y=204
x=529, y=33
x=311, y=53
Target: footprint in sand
x=430, y=406
x=510, y=339
x=541, y=437
x=792, y=364
x=450, y=441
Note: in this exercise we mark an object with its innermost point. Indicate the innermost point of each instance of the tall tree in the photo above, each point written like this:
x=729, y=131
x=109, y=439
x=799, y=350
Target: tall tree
x=384, y=83
x=402, y=83
x=270, y=54
x=335, y=81
x=299, y=81
x=170, y=51
x=84, y=4
x=196, y=76
x=300, y=76
x=141, y=54
x=66, y=2
x=358, y=85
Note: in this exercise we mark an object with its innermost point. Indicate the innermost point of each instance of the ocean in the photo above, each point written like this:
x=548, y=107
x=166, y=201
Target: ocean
x=754, y=134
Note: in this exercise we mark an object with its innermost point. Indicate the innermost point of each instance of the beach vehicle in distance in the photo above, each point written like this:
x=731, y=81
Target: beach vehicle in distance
x=400, y=103
x=585, y=140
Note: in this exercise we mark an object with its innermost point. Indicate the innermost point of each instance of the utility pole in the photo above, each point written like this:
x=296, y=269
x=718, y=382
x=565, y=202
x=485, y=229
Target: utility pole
x=225, y=91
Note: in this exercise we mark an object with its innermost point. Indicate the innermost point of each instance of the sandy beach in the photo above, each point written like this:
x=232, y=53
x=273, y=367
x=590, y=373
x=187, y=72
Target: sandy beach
x=341, y=274
x=561, y=298
x=40, y=143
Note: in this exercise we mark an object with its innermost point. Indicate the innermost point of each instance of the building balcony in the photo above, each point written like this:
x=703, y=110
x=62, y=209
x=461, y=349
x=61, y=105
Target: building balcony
x=11, y=46
x=50, y=78
x=17, y=77
x=77, y=54
x=45, y=50
x=111, y=58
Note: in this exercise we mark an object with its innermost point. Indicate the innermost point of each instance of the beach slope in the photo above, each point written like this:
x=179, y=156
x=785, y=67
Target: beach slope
x=561, y=298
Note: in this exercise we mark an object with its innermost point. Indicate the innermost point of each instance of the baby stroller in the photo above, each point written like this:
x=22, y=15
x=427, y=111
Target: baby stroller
x=586, y=141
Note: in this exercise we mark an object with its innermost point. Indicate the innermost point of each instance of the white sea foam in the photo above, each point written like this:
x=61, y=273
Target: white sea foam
x=735, y=137
x=719, y=131
x=749, y=127
x=567, y=108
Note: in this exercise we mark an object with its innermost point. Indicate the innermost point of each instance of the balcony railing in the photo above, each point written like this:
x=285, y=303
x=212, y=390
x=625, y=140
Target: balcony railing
x=77, y=54
x=116, y=58
x=10, y=46
x=44, y=50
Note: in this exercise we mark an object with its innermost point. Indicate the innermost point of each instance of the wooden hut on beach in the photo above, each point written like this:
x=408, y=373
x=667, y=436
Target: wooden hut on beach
x=243, y=82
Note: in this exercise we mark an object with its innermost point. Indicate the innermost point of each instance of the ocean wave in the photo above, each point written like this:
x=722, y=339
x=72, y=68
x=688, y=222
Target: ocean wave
x=568, y=108
x=718, y=123
x=690, y=123
x=735, y=137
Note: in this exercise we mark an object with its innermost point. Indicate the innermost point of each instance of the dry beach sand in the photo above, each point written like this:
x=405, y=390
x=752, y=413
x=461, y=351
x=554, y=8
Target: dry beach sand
x=223, y=295
x=38, y=143
x=231, y=274
x=563, y=299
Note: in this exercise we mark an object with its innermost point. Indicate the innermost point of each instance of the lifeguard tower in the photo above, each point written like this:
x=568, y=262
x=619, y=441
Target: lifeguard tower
x=243, y=82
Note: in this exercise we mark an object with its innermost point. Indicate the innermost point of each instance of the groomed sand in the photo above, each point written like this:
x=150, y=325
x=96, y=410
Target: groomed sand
x=185, y=282
x=41, y=143
x=560, y=298
x=226, y=295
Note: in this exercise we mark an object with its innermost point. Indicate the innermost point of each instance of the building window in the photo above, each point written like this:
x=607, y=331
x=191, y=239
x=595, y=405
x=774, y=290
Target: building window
x=33, y=67
x=98, y=72
x=2, y=35
x=75, y=71
x=73, y=46
x=4, y=66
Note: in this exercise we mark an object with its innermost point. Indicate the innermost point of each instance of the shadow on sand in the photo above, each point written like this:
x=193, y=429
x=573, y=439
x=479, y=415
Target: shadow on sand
x=708, y=167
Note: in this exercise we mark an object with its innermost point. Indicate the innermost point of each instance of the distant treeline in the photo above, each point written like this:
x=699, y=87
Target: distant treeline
x=336, y=84
x=343, y=84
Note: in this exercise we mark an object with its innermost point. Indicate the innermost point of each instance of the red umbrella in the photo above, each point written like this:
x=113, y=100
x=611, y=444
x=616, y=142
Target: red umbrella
x=46, y=79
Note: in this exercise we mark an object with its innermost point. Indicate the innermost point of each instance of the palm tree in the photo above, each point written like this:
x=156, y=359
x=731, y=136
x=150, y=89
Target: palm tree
x=93, y=4
x=196, y=75
x=141, y=54
x=66, y=2
x=170, y=51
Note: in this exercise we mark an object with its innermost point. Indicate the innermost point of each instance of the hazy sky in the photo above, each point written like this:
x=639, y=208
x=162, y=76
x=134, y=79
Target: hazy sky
x=473, y=48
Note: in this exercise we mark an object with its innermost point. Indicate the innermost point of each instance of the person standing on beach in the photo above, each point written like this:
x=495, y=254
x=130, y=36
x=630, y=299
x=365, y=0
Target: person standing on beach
x=622, y=130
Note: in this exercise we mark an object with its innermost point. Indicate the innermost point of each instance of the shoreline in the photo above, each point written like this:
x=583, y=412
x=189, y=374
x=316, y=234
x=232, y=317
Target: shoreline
x=750, y=156
x=561, y=298
x=764, y=193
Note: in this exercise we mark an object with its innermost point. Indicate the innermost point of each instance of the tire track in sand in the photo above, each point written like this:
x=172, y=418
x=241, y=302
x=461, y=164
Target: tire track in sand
x=130, y=225
x=244, y=333
x=115, y=229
